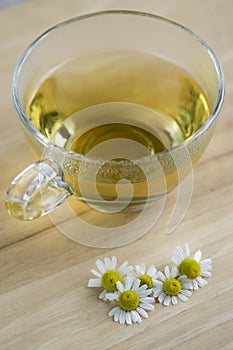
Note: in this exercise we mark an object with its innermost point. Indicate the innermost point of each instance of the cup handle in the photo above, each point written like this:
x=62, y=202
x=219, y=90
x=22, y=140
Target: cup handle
x=37, y=190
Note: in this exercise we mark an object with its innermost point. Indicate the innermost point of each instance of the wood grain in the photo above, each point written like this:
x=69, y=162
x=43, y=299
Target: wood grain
x=44, y=301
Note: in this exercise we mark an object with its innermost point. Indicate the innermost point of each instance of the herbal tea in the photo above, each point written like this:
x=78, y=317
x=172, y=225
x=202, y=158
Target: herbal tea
x=119, y=106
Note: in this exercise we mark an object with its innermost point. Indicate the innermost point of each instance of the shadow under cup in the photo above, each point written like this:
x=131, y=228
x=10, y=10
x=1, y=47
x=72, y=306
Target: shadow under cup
x=124, y=194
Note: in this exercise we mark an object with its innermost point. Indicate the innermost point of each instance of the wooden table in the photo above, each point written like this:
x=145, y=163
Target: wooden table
x=44, y=301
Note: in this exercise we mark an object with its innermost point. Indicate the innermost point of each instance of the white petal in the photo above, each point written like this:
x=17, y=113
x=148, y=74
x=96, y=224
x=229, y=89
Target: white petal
x=205, y=267
x=96, y=273
x=144, y=293
x=142, y=290
x=158, y=283
x=161, y=276
x=174, y=271
x=132, y=275
x=94, y=282
x=117, y=315
x=206, y=273
x=182, y=297
x=206, y=262
x=167, y=300
x=174, y=300
x=142, y=268
x=161, y=297
x=107, y=263
x=157, y=292
x=134, y=316
x=120, y=287
x=103, y=295
x=122, y=317
x=100, y=266
x=183, y=278
x=187, y=284
x=147, y=300
x=110, y=296
x=186, y=250
x=201, y=281
x=180, y=252
x=186, y=292
x=146, y=306
x=128, y=270
x=176, y=258
x=148, y=292
x=142, y=312
x=113, y=311
x=195, y=284
x=124, y=269
x=136, y=285
x=167, y=272
x=138, y=270
x=197, y=256
x=139, y=320
x=113, y=263
x=128, y=283
x=128, y=318
x=151, y=271
x=123, y=266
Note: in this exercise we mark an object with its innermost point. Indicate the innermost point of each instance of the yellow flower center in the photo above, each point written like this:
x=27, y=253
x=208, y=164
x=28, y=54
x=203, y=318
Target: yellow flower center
x=146, y=279
x=190, y=268
x=128, y=300
x=109, y=280
x=172, y=286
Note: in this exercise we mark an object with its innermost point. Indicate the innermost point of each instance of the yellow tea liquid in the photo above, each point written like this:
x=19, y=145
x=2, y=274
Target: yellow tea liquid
x=85, y=107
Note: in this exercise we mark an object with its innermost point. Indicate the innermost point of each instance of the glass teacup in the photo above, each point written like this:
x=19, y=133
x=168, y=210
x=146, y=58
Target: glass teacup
x=118, y=106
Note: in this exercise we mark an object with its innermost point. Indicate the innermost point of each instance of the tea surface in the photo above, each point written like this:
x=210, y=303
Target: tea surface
x=134, y=78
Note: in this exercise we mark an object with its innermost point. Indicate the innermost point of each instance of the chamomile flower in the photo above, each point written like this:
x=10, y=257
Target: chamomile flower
x=146, y=276
x=169, y=286
x=133, y=301
x=108, y=275
x=195, y=269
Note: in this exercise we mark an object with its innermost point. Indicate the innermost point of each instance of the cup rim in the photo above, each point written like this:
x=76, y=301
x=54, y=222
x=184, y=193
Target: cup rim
x=69, y=154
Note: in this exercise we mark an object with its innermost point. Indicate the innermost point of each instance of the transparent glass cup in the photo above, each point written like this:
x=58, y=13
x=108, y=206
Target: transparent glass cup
x=61, y=173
